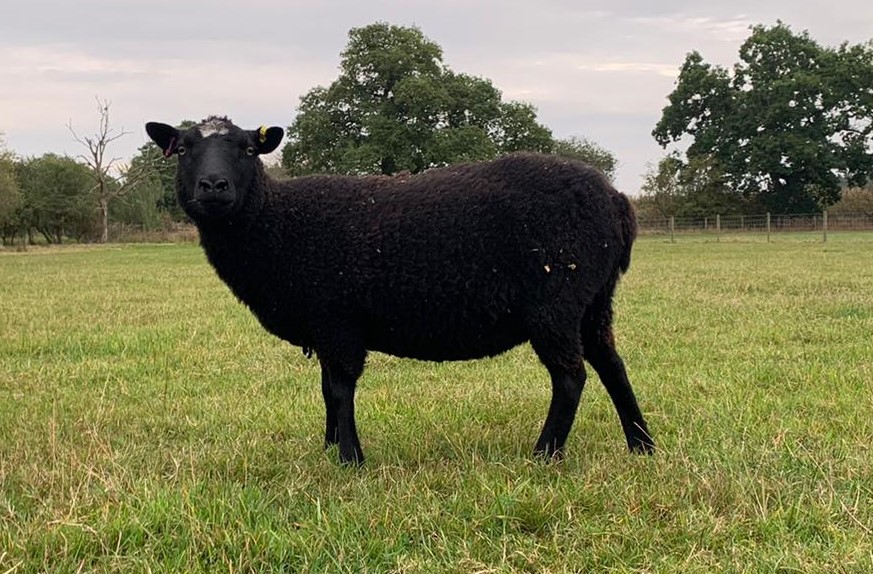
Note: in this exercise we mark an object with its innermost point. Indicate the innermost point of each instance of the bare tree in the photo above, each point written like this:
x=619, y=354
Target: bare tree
x=112, y=178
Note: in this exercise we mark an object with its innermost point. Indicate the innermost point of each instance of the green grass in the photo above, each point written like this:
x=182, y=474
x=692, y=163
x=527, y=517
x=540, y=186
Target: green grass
x=148, y=424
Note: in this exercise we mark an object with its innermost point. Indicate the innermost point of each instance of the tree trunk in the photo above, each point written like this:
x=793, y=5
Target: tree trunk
x=388, y=165
x=45, y=233
x=104, y=220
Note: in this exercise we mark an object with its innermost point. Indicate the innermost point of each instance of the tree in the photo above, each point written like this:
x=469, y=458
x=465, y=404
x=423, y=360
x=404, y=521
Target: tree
x=586, y=150
x=140, y=206
x=111, y=179
x=661, y=192
x=694, y=189
x=56, y=194
x=158, y=182
x=855, y=201
x=10, y=196
x=396, y=107
x=789, y=125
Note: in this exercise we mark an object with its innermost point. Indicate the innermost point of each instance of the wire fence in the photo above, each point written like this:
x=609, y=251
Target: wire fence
x=767, y=223
x=168, y=232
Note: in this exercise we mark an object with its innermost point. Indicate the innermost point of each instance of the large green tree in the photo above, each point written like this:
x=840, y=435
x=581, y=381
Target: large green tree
x=396, y=107
x=789, y=124
x=57, y=196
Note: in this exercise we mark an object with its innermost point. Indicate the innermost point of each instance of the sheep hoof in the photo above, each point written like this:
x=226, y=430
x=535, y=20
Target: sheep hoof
x=549, y=455
x=641, y=445
x=353, y=459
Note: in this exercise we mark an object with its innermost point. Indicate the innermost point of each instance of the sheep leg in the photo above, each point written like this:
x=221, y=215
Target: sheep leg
x=563, y=359
x=341, y=394
x=567, y=388
x=331, y=433
x=600, y=352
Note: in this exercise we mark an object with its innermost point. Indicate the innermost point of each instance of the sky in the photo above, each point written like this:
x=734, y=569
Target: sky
x=595, y=69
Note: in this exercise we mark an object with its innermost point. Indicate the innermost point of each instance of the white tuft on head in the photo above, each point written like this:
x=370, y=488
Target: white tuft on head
x=213, y=126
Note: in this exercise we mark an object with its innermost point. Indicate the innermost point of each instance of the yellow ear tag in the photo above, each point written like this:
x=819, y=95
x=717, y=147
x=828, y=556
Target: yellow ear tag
x=262, y=134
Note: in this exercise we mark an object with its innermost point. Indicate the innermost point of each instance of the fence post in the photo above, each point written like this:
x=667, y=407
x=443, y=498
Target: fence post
x=718, y=227
x=768, y=227
x=672, y=229
x=824, y=225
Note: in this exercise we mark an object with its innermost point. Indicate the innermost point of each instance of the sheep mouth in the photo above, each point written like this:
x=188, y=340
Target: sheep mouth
x=212, y=206
x=214, y=201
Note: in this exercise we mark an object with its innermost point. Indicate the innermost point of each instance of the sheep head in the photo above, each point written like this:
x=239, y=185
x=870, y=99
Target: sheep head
x=218, y=164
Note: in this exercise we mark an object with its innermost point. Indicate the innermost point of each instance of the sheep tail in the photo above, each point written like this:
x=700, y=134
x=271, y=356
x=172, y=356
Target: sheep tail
x=628, y=222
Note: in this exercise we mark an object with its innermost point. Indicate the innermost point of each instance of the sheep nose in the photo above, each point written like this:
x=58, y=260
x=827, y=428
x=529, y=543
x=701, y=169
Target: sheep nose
x=213, y=184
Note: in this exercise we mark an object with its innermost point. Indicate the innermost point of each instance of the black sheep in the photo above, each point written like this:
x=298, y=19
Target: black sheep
x=455, y=263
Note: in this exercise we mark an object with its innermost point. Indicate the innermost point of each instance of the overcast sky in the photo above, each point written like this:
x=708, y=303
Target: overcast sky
x=596, y=69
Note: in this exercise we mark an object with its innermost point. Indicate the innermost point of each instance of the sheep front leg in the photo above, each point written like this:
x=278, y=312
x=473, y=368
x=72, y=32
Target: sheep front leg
x=339, y=394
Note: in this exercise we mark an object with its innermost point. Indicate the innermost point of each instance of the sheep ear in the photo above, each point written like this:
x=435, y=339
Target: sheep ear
x=167, y=137
x=268, y=138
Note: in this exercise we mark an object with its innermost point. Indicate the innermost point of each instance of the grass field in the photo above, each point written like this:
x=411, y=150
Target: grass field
x=148, y=424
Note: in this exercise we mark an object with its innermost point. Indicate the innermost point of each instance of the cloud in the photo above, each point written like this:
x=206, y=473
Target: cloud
x=586, y=83
x=48, y=86
x=668, y=70
x=64, y=64
x=732, y=29
x=39, y=75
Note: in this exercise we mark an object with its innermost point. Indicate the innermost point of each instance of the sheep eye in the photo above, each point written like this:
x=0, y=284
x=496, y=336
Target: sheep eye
x=250, y=151
x=181, y=150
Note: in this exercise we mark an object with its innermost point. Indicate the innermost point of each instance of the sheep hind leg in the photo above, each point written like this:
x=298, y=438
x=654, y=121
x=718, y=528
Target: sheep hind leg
x=339, y=392
x=599, y=347
x=331, y=432
x=567, y=372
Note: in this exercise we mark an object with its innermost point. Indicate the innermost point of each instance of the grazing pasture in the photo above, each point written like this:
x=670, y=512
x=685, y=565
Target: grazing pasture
x=148, y=423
